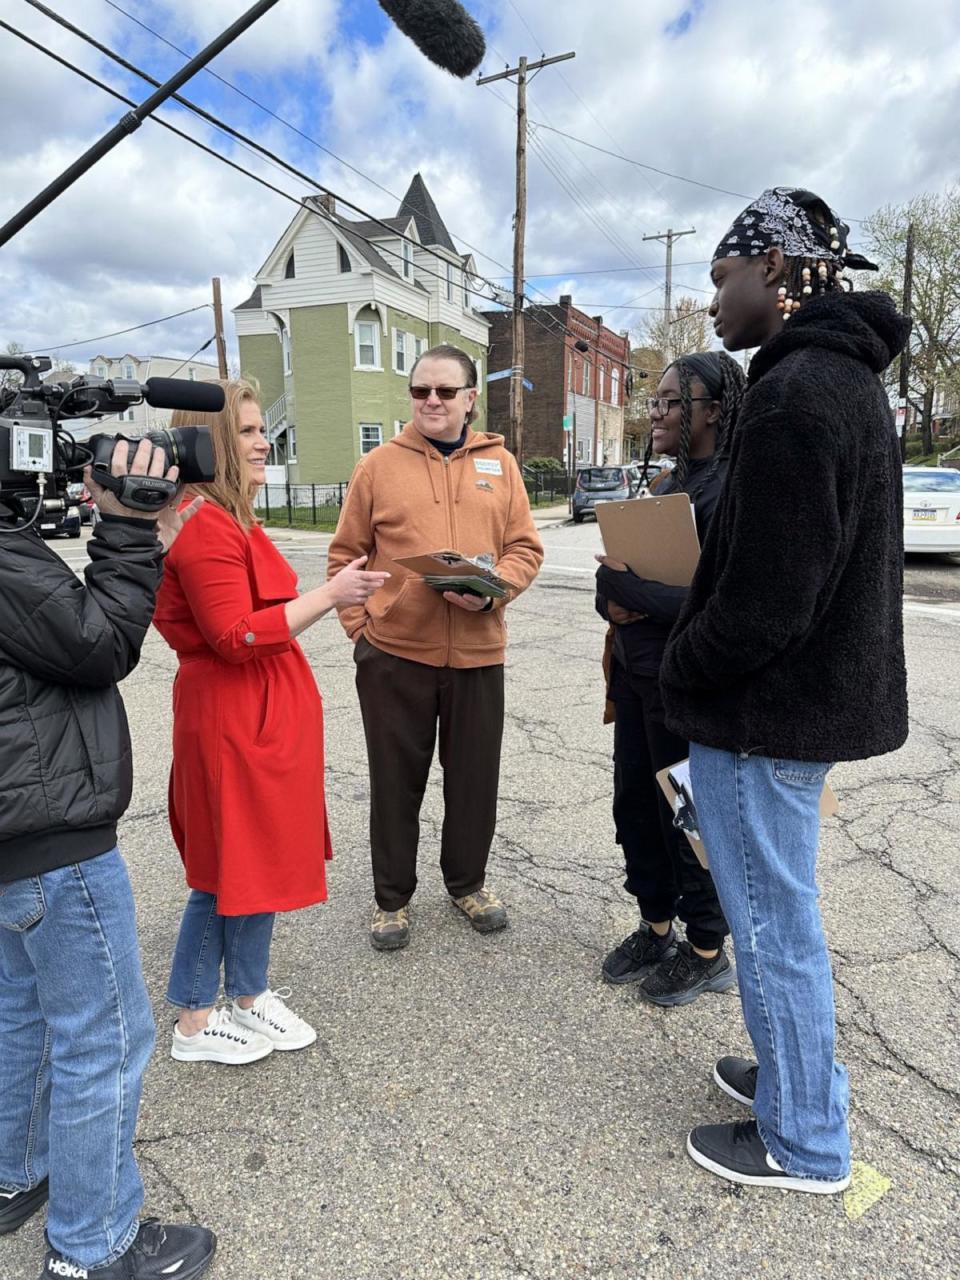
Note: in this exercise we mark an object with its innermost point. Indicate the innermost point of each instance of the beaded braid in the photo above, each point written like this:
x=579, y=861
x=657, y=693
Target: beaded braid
x=733, y=385
x=686, y=424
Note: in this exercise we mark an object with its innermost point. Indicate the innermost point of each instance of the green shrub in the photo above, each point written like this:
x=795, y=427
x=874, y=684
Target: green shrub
x=544, y=464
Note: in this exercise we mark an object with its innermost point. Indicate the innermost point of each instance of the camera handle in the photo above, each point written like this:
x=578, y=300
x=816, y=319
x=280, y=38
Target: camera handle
x=140, y=493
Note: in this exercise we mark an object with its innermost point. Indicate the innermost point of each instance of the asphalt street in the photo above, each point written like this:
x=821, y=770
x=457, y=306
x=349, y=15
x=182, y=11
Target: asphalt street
x=484, y=1108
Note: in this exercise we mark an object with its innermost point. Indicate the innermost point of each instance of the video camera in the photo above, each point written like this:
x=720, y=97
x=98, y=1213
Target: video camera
x=37, y=452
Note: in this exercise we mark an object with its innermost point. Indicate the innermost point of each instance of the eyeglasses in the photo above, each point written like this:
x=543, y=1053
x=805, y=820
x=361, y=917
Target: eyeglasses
x=660, y=405
x=445, y=393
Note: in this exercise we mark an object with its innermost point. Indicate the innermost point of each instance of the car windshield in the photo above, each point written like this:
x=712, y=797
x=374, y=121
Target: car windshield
x=602, y=477
x=934, y=481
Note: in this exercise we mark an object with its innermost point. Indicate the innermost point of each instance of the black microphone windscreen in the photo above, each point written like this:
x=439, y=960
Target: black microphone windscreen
x=180, y=393
x=441, y=29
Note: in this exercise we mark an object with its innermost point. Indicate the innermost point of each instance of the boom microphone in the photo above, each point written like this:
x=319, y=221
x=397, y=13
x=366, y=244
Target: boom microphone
x=442, y=30
x=180, y=393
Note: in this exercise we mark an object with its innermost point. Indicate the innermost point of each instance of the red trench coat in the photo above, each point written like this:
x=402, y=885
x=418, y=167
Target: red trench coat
x=247, y=806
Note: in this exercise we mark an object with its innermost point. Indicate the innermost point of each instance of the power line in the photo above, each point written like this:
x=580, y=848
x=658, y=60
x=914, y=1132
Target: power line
x=64, y=346
x=601, y=271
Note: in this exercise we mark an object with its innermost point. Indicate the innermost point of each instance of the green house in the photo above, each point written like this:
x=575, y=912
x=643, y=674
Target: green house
x=340, y=311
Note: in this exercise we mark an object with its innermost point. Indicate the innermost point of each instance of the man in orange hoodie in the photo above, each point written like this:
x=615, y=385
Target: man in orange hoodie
x=424, y=658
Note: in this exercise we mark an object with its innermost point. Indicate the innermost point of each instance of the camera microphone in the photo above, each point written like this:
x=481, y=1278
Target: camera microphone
x=442, y=30
x=180, y=393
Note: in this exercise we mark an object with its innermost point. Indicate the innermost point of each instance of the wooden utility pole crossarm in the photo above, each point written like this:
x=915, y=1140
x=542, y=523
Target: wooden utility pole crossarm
x=519, y=237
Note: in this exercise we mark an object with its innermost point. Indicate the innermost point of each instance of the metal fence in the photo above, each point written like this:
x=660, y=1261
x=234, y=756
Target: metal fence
x=305, y=505
x=547, y=486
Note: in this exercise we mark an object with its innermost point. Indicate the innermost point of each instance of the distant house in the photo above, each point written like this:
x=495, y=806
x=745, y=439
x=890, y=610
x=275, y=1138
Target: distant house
x=142, y=417
x=340, y=311
x=588, y=388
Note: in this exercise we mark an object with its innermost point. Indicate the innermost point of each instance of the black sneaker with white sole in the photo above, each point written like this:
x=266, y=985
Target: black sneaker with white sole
x=685, y=976
x=158, y=1252
x=637, y=954
x=736, y=1152
x=737, y=1077
x=17, y=1206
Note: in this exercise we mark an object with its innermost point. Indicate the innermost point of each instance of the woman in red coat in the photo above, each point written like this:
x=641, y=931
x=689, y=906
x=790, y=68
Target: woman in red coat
x=246, y=788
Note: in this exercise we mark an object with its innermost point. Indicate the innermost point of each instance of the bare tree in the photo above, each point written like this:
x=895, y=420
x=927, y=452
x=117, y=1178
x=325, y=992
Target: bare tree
x=935, y=341
x=11, y=377
x=687, y=328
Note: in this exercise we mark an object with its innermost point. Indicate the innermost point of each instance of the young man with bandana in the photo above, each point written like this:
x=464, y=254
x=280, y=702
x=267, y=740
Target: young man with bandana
x=788, y=656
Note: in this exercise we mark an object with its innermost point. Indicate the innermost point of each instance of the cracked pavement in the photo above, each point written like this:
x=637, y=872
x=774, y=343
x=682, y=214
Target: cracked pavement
x=484, y=1108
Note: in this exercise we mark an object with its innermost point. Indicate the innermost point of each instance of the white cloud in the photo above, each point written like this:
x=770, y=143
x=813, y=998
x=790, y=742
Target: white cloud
x=858, y=102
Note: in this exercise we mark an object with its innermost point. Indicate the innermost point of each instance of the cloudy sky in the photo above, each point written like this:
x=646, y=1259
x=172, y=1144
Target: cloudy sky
x=856, y=99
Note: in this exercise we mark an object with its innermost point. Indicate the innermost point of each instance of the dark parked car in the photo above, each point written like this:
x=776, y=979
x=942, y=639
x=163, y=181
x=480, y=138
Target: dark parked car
x=60, y=524
x=80, y=494
x=609, y=484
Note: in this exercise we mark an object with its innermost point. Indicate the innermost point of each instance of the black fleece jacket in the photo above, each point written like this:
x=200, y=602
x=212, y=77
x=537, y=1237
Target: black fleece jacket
x=638, y=646
x=791, y=641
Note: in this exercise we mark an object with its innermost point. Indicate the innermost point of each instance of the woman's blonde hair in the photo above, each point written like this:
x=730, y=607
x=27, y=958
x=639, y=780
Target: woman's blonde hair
x=229, y=489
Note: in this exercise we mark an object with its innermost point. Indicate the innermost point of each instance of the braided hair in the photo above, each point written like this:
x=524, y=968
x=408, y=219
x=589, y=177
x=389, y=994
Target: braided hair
x=724, y=381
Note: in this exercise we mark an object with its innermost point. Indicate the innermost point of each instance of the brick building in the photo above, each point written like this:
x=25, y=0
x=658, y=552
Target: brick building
x=588, y=387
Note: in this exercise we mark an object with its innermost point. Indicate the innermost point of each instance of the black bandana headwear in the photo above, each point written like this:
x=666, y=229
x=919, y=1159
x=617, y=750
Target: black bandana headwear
x=781, y=218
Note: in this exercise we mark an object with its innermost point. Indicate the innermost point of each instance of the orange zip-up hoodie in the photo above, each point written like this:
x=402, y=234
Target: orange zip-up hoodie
x=406, y=499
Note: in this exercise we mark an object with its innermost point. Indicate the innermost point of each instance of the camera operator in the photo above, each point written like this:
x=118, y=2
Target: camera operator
x=76, y=1028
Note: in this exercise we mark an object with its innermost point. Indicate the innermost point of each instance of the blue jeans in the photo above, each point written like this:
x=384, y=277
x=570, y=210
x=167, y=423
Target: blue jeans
x=76, y=1033
x=241, y=944
x=760, y=823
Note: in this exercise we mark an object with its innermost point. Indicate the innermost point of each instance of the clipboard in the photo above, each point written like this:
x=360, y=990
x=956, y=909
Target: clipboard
x=655, y=537
x=673, y=782
x=437, y=566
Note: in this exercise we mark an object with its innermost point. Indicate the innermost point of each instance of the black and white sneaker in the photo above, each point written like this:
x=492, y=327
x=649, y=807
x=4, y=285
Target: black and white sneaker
x=158, y=1252
x=686, y=975
x=221, y=1040
x=637, y=954
x=17, y=1206
x=737, y=1077
x=736, y=1152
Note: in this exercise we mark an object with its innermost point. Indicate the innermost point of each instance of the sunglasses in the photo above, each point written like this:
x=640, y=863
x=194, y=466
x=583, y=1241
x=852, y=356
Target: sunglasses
x=445, y=393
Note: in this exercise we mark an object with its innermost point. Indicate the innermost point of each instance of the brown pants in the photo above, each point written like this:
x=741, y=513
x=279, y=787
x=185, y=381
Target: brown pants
x=402, y=703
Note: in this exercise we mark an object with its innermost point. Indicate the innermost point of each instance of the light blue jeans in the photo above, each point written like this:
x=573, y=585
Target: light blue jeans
x=760, y=823
x=241, y=944
x=76, y=1033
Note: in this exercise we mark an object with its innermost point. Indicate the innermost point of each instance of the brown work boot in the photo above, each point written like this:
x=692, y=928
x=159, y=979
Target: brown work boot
x=390, y=930
x=483, y=909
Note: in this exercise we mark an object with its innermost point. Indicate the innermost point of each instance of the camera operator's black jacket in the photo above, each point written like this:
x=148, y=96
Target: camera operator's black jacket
x=65, y=759
x=791, y=641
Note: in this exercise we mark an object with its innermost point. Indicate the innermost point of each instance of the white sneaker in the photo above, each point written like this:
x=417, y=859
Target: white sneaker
x=269, y=1016
x=221, y=1040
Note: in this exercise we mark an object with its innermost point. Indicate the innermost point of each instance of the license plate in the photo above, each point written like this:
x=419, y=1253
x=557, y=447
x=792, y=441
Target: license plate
x=48, y=526
x=924, y=514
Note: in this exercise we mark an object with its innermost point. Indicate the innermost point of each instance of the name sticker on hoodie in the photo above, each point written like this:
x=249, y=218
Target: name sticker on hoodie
x=488, y=466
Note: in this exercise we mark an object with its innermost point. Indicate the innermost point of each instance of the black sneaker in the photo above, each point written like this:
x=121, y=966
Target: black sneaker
x=685, y=975
x=736, y=1152
x=636, y=955
x=17, y=1206
x=158, y=1251
x=738, y=1078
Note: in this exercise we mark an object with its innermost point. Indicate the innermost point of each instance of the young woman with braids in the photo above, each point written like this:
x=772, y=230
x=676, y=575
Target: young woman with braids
x=693, y=414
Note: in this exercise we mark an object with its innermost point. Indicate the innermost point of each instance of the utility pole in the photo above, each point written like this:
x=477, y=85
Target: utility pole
x=519, y=236
x=667, y=237
x=905, y=353
x=218, y=325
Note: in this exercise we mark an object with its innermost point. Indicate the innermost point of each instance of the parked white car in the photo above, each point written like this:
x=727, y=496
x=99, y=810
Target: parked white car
x=931, y=509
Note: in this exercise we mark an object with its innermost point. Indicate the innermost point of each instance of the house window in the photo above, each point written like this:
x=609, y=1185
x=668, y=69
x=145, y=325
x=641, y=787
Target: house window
x=371, y=434
x=419, y=347
x=397, y=426
x=584, y=450
x=285, y=346
x=192, y=374
x=586, y=377
x=479, y=363
x=570, y=375
x=290, y=270
x=128, y=371
x=602, y=375
x=101, y=371
x=399, y=351
x=449, y=281
x=367, y=335
x=614, y=386
x=343, y=259
x=407, y=251
x=291, y=444
x=466, y=293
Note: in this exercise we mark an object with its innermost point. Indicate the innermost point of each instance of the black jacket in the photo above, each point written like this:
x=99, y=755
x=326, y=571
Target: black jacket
x=65, y=760
x=791, y=641
x=638, y=646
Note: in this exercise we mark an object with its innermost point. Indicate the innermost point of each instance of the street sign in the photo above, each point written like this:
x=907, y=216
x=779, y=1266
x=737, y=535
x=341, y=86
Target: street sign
x=567, y=422
x=505, y=373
